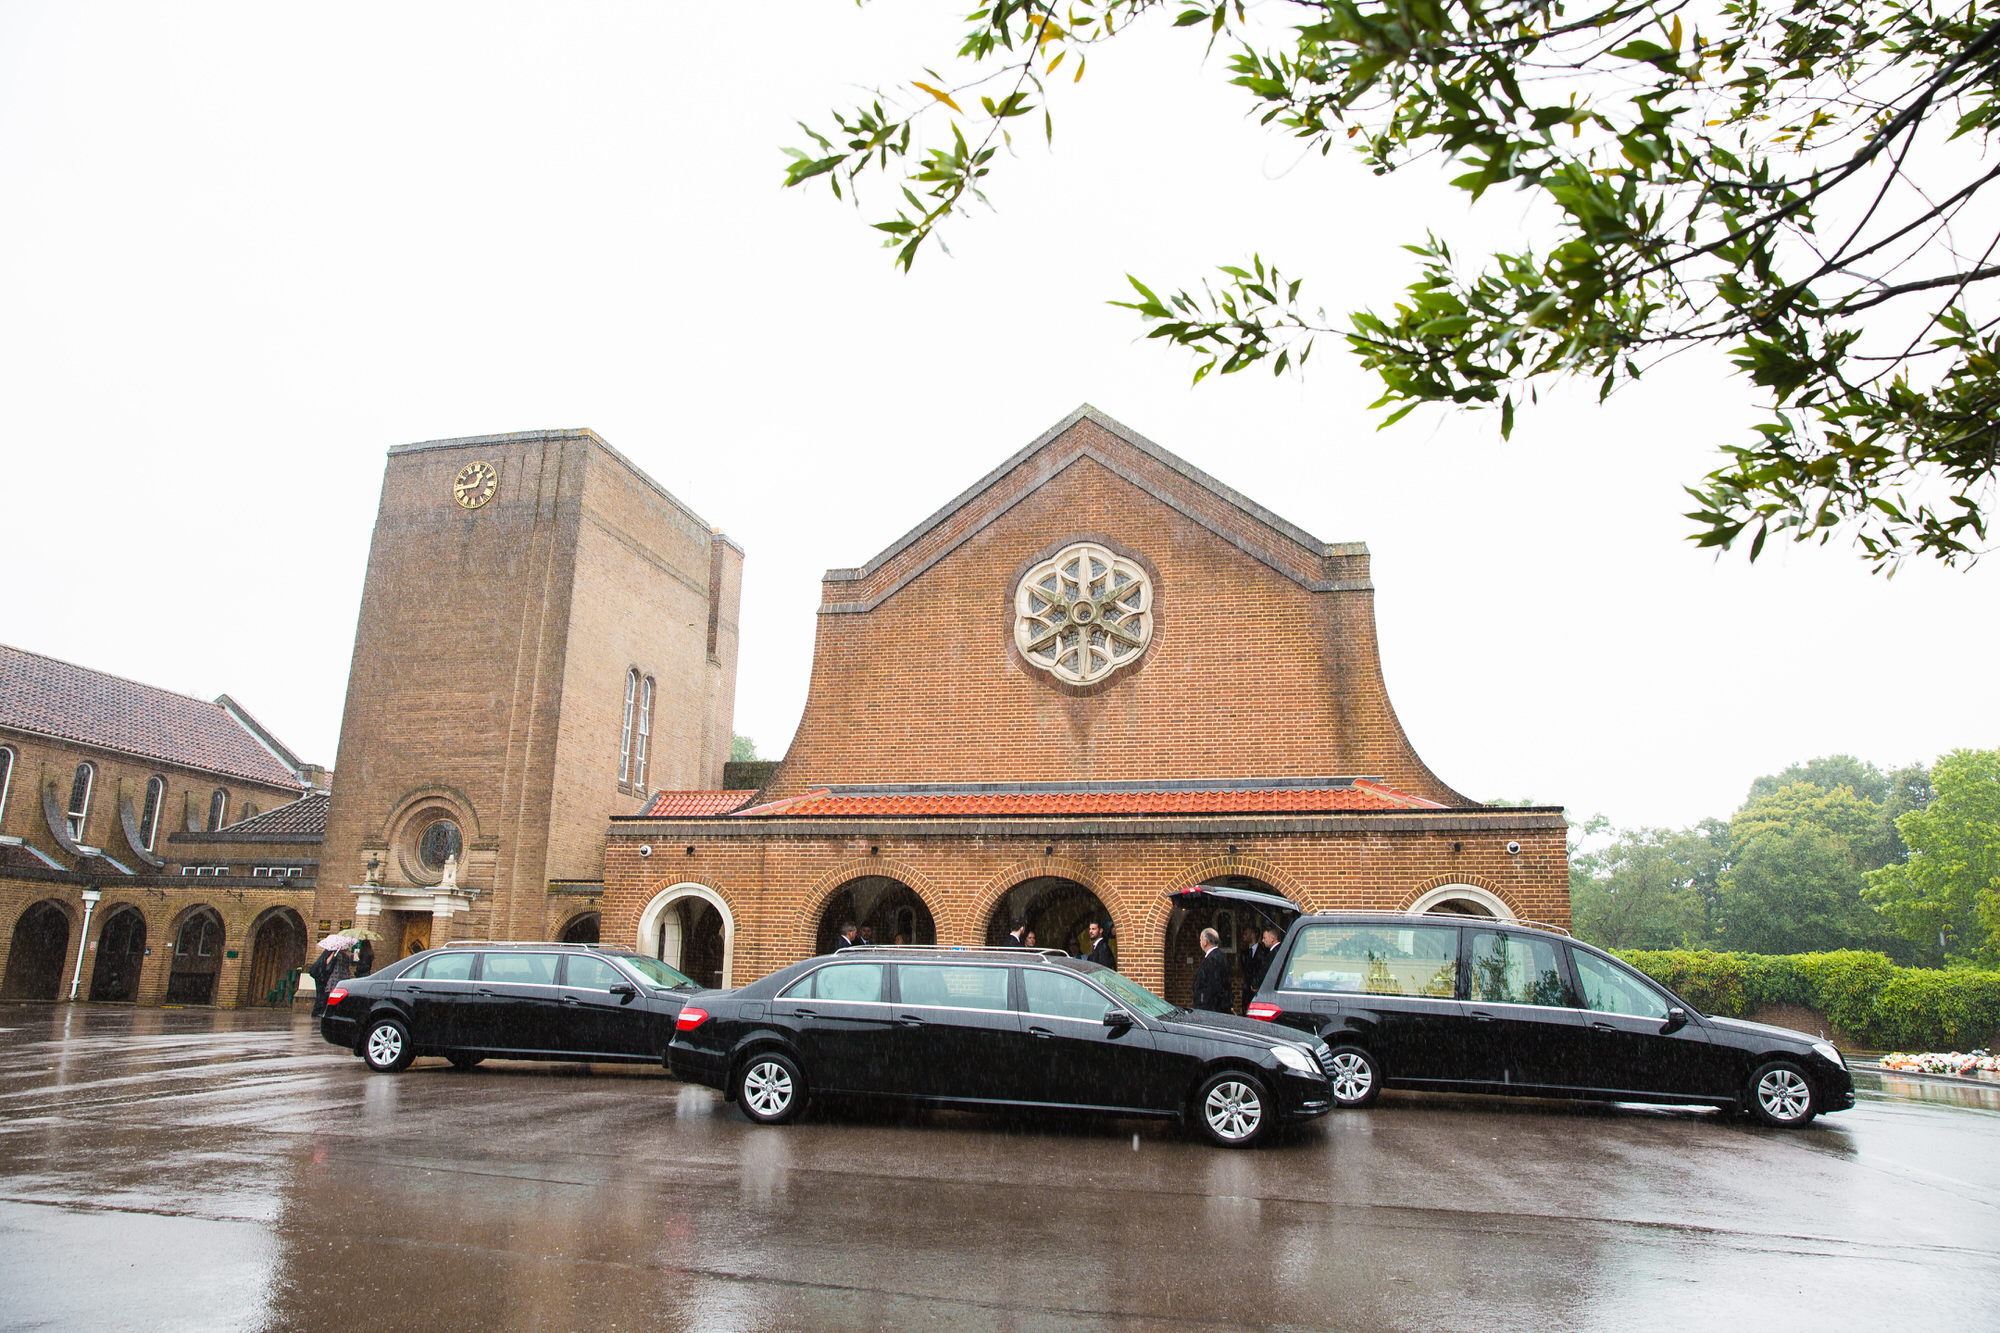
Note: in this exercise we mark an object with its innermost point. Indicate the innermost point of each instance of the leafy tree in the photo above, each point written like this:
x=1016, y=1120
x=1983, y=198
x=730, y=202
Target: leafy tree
x=1945, y=898
x=1783, y=187
x=1827, y=772
x=1893, y=793
x=1798, y=864
x=1649, y=888
x=741, y=748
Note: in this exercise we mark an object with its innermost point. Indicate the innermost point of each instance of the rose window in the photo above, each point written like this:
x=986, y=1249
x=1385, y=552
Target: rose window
x=1083, y=614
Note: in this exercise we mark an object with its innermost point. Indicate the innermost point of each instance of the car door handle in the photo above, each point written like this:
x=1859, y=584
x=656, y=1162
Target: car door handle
x=1482, y=1015
x=804, y=1013
x=413, y=987
x=1602, y=1026
x=571, y=999
x=910, y=1021
x=1042, y=1033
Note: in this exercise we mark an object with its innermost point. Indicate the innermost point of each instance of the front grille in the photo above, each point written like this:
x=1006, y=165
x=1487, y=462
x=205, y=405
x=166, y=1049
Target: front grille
x=1324, y=1055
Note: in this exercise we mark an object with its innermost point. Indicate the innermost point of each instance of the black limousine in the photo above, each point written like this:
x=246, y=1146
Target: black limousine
x=1469, y=1004
x=993, y=1028
x=469, y=1002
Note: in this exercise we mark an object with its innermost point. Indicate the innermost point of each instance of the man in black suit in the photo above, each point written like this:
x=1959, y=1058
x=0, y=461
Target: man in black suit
x=850, y=936
x=1211, y=975
x=1100, y=945
x=1017, y=938
x=1257, y=965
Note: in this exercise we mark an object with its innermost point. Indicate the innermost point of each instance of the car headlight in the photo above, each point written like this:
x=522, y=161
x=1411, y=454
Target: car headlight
x=1291, y=1057
x=1830, y=1052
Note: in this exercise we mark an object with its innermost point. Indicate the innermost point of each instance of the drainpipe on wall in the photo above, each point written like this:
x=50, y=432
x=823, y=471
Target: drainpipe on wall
x=90, y=897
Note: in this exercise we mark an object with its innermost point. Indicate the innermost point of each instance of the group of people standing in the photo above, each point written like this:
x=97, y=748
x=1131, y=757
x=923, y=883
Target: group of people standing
x=1212, y=974
x=852, y=936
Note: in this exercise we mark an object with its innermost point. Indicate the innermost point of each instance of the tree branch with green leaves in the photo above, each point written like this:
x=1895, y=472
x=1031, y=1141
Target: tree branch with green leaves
x=1801, y=187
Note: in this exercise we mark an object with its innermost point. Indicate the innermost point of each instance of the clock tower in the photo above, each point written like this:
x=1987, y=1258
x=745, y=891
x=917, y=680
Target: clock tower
x=546, y=637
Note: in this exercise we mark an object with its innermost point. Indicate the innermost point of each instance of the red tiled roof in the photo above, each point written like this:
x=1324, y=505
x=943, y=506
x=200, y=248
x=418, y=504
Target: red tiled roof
x=58, y=699
x=680, y=804
x=305, y=815
x=1360, y=795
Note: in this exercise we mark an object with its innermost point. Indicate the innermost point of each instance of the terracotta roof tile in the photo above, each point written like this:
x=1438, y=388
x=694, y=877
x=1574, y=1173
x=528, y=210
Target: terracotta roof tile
x=305, y=815
x=58, y=699
x=681, y=804
x=825, y=803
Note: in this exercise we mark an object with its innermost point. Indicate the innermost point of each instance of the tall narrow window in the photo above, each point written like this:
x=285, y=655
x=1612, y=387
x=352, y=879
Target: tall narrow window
x=6, y=776
x=79, y=800
x=645, y=730
x=625, y=739
x=149, y=818
x=218, y=810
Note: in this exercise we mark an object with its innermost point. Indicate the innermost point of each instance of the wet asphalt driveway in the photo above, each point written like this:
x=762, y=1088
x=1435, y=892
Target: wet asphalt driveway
x=165, y=1170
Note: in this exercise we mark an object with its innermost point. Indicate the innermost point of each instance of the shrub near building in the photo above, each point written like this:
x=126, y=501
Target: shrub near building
x=1874, y=1002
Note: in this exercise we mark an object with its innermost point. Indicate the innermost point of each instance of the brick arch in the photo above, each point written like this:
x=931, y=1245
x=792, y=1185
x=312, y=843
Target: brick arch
x=805, y=918
x=970, y=927
x=179, y=919
x=1480, y=882
x=666, y=889
x=1250, y=867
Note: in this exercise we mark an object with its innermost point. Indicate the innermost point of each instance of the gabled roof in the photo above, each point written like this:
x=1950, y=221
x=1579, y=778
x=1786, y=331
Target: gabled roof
x=1169, y=478
x=307, y=815
x=1237, y=798
x=683, y=804
x=63, y=701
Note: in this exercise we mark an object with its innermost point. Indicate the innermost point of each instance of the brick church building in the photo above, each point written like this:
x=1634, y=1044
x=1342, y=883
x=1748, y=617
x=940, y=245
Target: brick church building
x=1094, y=679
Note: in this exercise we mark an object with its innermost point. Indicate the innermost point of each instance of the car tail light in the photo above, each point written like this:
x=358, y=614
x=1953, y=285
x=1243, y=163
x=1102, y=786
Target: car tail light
x=690, y=1019
x=336, y=995
x=1263, y=1012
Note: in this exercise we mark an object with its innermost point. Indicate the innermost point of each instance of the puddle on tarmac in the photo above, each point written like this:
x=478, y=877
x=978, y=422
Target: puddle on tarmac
x=1904, y=1087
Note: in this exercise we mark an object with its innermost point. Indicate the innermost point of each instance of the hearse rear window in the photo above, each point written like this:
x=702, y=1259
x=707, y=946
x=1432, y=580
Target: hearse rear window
x=1375, y=960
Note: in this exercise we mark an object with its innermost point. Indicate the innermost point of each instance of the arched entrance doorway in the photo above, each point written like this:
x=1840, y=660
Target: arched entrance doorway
x=1056, y=911
x=583, y=929
x=690, y=927
x=121, y=951
x=886, y=906
x=1462, y=900
x=1230, y=917
x=278, y=946
x=40, y=948
x=197, y=958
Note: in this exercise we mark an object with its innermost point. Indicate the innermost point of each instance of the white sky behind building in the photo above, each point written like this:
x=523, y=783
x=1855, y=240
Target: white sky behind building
x=248, y=248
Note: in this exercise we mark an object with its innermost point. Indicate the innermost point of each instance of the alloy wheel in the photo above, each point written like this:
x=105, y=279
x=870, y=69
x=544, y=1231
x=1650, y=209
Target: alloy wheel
x=768, y=1088
x=1783, y=1094
x=1233, y=1110
x=1352, y=1078
x=385, y=1045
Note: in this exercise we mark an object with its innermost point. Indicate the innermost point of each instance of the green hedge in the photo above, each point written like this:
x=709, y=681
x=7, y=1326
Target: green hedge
x=1864, y=994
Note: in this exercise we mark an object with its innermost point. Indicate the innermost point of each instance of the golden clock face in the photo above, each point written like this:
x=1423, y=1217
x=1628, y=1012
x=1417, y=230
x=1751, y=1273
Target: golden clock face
x=475, y=484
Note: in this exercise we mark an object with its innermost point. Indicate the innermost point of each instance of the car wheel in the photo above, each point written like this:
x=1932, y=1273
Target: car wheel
x=463, y=1060
x=1233, y=1109
x=770, y=1090
x=1781, y=1095
x=386, y=1048
x=1356, y=1077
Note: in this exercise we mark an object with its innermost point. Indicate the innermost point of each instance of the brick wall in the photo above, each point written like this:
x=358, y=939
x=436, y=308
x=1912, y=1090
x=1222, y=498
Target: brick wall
x=1263, y=660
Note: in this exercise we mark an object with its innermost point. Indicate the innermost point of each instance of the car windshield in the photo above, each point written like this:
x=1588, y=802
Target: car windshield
x=656, y=972
x=1131, y=994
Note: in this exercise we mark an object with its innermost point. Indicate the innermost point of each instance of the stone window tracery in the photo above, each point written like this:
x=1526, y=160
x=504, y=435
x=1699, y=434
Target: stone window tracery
x=1083, y=613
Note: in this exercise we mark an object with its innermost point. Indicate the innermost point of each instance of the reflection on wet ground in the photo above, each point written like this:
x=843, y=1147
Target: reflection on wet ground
x=183, y=1169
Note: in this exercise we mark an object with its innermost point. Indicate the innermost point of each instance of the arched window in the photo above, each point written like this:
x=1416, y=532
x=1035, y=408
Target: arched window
x=625, y=739
x=79, y=800
x=218, y=810
x=6, y=776
x=149, y=818
x=645, y=731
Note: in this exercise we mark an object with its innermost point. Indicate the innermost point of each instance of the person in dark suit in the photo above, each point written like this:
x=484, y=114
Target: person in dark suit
x=1257, y=964
x=1017, y=938
x=1100, y=945
x=1211, y=975
x=850, y=936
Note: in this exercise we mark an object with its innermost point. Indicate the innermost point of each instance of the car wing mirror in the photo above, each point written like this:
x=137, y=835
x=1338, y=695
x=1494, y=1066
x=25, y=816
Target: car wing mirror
x=628, y=991
x=1677, y=1019
x=1117, y=1018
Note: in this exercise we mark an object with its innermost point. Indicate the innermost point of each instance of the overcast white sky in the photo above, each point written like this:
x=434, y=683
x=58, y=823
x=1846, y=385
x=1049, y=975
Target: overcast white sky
x=245, y=249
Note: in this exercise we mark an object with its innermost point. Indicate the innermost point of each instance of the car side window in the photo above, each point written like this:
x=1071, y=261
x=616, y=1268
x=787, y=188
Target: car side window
x=853, y=982
x=1061, y=996
x=519, y=969
x=1610, y=989
x=1516, y=969
x=952, y=987
x=587, y=973
x=445, y=967
x=1375, y=960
